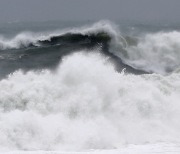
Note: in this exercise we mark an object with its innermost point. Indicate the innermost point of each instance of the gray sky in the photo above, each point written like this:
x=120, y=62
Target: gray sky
x=140, y=10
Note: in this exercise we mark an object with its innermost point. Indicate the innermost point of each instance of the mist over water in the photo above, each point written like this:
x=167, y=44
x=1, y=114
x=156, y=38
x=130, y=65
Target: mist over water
x=66, y=95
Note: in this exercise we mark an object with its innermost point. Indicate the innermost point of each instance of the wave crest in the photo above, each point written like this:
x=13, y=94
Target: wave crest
x=27, y=39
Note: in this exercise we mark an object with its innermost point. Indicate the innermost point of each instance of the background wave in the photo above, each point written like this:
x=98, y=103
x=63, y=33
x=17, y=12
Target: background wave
x=156, y=52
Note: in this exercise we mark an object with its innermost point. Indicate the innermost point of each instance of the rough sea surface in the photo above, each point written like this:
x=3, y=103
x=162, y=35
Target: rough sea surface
x=106, y=87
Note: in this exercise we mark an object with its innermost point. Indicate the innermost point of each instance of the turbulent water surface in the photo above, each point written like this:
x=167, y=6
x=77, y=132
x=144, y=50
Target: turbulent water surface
x=81, y=86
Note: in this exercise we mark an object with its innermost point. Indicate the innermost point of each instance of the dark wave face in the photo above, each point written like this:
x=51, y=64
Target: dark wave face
x=69, y=38
x=47, y=53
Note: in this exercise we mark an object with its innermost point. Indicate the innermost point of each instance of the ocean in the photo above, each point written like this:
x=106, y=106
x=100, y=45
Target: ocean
x=104, y=86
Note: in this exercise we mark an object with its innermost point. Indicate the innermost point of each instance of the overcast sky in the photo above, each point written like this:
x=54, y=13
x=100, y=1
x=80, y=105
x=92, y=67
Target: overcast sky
x=140, y=10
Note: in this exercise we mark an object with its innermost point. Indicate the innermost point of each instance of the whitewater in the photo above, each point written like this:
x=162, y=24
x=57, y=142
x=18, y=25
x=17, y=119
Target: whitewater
x=84, y=103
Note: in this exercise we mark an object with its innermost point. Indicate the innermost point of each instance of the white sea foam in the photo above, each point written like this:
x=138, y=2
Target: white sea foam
x=165, y=148
x=86, y=104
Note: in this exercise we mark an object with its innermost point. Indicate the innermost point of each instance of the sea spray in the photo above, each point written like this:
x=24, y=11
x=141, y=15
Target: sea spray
x=156, y=52
x=86, y=104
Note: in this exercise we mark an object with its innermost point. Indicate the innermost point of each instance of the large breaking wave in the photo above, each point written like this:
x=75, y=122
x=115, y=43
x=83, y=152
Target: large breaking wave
x=44, y=50
x=83, y=106
x=156, y=52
